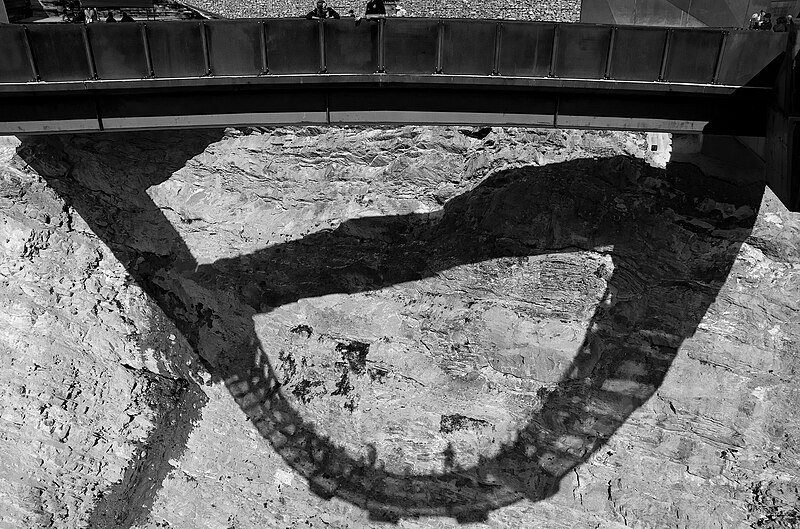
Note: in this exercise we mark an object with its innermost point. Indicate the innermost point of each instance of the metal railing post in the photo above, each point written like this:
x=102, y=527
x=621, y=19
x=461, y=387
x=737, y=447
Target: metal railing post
x=554, y=51
x=31, y=57
x=665, y=55
x=204, y=42
x=323, y=65
x=610, y=54
x=381, y=46
x=498, y=39
x=87, y=46
x=720, y=56
x=439, y=47
x=147, y=57
x=264, y=54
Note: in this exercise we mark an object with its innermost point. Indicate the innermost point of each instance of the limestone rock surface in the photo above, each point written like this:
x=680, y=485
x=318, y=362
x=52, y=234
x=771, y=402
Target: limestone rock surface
x=349, y=327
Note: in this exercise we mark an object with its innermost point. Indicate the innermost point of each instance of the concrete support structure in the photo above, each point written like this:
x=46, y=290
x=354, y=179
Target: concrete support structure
x=783, y=133
x=780, y=149
x=694, y=13
x=3, y=12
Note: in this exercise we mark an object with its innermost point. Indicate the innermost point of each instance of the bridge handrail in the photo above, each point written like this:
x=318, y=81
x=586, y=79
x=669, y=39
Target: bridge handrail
x=493, y=48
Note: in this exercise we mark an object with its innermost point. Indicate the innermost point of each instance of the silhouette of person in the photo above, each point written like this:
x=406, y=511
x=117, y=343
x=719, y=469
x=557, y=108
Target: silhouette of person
x=322, y=11
x=90, y=14
x=375, y=8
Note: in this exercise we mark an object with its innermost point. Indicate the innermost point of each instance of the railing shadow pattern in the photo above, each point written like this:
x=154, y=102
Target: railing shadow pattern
x=667, y=272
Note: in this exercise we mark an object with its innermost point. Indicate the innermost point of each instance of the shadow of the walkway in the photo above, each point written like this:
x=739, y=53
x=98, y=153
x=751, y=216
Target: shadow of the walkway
x=670, y=260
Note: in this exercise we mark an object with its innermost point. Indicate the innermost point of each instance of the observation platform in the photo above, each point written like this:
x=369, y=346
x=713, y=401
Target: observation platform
x=156, y=75
x=294, y=71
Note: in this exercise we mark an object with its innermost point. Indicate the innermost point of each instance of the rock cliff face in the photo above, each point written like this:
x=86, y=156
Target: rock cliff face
x=345, y=327
x=549, y=10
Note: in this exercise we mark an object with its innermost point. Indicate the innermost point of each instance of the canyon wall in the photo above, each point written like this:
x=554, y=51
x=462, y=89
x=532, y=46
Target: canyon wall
x=348, y=327
x=550, y=10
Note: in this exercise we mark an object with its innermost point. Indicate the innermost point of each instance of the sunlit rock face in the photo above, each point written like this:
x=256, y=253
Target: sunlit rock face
x=346, y=327
x=547, y=10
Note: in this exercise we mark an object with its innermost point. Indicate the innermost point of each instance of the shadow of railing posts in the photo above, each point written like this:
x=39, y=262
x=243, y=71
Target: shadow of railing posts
x=670, y=259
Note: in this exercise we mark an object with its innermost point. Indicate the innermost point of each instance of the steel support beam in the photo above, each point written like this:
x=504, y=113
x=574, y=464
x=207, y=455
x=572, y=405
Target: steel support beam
x=380, y=102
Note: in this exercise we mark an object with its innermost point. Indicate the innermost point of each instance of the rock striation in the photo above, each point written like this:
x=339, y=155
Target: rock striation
x=425, y=326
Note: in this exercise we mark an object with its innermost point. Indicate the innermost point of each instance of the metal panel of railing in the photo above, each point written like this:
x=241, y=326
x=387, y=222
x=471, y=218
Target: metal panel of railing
x=234, y=47
x=351, y=47
x=411, y=45
x=468, y=47
x=58, y=50
x=692, y=55
x=526, y=49
x=581, y=51
x=637, y=53
x=118, y=51
x=293, y=46
x=15, y=66
x=752, y=58
x=176, y=49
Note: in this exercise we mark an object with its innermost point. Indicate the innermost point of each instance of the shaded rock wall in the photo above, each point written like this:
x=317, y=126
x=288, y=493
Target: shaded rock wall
x=344, y=327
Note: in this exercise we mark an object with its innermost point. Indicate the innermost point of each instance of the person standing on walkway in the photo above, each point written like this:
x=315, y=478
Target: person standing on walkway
x=375, y=8
x=90, y=14
x=322, y=11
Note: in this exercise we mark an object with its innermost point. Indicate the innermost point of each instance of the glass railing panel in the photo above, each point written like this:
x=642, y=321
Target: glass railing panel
x=351, y=47
x=526, y=49
x=59, y=51
x=411, y=45
x=293, y=46
x=118, y=51
x=234, y=47
x=468, y=47
x=637, y=53
x=14, y=64
x=581, y=51
x=176, y=49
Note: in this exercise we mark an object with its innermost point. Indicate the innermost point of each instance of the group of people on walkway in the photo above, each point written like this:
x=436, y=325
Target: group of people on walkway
x=90, y=15
x=374, y=8
x=762, y=21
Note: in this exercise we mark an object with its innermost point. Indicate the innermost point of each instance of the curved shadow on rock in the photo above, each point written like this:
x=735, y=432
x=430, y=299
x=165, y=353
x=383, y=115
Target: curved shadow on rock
x=670, y=258
x=128, y=501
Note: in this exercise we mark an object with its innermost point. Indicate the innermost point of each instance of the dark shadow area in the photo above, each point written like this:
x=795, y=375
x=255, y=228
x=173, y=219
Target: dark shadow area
x=177, y=402
x=670, y=258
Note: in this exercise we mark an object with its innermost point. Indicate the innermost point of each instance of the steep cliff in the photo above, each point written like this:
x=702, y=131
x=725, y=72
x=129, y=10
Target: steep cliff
x=345, y=327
